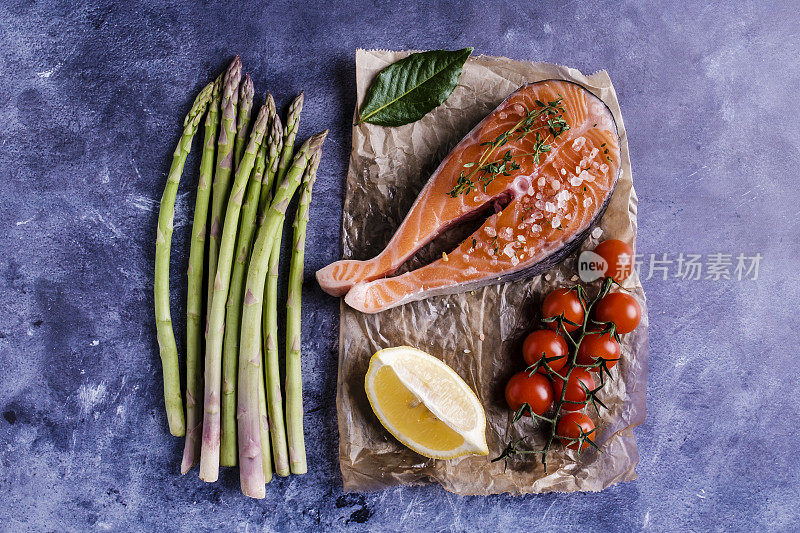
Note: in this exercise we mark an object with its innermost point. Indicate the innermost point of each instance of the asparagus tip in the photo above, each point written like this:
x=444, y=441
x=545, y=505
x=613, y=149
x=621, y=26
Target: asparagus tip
x=232, y=77
x=247, y=89
x=262, y=119
x=200, y=105
x=314, y=143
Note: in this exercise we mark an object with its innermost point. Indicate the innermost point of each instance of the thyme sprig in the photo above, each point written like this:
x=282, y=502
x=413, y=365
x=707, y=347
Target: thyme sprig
x=574, y=340
x=485, y=170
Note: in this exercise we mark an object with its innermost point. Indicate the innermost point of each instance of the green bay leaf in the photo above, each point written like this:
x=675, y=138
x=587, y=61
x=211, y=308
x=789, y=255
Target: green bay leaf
x=410, y=88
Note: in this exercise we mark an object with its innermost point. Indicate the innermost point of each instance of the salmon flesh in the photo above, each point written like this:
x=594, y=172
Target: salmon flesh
x=547, y=159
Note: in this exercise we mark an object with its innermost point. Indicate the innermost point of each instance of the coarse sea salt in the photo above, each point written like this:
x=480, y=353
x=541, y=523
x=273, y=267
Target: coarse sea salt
x=578, y=143
x=541, y=181
x=587, y=202
x=490, y=231
x=596, y=233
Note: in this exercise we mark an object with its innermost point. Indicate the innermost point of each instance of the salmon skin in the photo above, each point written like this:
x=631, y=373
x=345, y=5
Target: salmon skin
x=547, y=159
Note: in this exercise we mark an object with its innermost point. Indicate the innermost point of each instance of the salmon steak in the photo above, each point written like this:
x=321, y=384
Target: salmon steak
x=543, y=166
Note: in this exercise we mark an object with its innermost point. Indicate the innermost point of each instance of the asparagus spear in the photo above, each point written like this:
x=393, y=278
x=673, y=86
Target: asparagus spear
x=222, y=175
x=270, y=326
x=210, y=453
x=166, y=337
x=251, y=470
x=294, y=384
x=194, y=296
x=230, y=346
x=246, y=92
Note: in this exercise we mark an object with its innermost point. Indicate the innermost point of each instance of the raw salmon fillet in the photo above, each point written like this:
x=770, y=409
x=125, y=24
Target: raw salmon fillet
x=545, y=163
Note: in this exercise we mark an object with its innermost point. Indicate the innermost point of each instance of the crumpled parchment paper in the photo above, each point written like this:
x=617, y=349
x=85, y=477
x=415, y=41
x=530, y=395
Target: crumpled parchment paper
x=479, y=334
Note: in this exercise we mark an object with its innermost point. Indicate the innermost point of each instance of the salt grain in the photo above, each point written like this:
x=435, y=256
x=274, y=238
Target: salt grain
x=578, y=143
x=596, y=233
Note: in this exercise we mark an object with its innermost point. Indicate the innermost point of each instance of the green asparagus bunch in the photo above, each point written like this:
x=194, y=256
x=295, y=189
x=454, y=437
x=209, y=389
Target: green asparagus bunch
x=238, y=221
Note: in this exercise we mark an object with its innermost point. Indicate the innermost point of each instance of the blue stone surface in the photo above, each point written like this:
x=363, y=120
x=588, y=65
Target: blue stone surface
x=91, y=98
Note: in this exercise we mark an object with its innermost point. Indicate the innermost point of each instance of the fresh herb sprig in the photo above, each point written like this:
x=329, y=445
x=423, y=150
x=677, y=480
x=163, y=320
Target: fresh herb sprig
x=489, y=169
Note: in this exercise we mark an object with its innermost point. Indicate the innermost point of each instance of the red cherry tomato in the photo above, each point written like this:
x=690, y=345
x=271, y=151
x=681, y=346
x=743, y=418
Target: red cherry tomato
x=563, y=302
x=619, y=258
x=575, y=392
x=535, y=390
x=599, y=346
x=549, y=343
x=620, y=308
x=570, y=426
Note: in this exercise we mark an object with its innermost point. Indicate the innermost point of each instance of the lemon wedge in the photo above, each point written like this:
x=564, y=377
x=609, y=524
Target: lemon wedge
x=425, y=404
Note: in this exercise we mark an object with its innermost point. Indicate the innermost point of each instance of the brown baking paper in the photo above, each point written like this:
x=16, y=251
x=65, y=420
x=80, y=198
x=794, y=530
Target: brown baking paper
x=479, y=334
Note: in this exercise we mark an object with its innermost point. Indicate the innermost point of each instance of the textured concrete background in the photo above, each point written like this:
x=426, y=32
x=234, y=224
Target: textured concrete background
x=90, y=103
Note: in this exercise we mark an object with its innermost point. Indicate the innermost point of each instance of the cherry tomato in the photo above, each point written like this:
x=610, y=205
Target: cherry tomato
x=575, y=392
x=549, y=343
x=535, y=390
x=563, y=302
x=570, y=426
x=599, y=346
x=618, y=256
x=620, y=308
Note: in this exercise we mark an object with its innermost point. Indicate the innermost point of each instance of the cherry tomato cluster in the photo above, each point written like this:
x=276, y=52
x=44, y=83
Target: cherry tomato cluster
x=566, y=361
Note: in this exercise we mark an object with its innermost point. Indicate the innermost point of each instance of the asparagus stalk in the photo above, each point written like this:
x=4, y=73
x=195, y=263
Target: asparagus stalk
x=194, y=296
x=222, y=175
x=246, y=92
x=210, y=453
x=274, y=142
x=166, y=337
x=230, y=346
x=251, y=469
x=294, y=384
x=270, y=314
